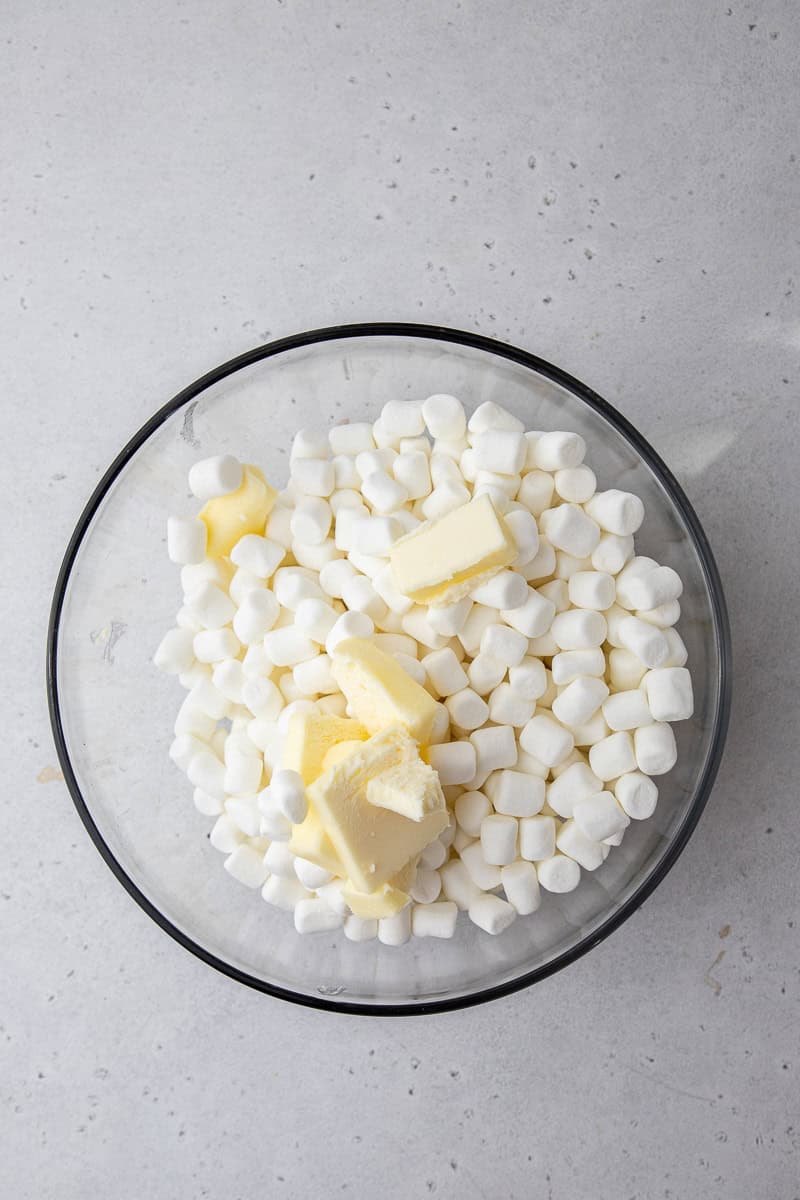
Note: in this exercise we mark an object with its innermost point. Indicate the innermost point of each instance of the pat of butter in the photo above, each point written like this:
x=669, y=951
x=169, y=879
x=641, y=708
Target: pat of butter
x=443, y=560
x=309, y=840
x=311, y=737
x=378, y=690
x=372, y=843
x=412, y=789
x=386, y=900
x=341, y=751
x=228, y=518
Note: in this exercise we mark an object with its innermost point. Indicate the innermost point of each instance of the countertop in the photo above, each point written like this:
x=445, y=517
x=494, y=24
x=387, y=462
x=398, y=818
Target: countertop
x=612, y=186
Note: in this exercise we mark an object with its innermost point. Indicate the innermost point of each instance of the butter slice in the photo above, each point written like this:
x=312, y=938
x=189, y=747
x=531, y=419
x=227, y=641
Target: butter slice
x=311, y=736
x=378, y=690
x=341, y=751
x=443, y=560
x=386, y=900
x=309, y=840
x=228, y=518
x=412, y=789
x=373, y=844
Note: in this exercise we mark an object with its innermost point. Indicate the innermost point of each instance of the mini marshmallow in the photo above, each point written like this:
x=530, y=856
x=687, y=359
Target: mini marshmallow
x=637, y=795
x=612, y=552
x=614, y=617
x=175, y=652
x=228, y=678
x=451, y=447
x=412, y=471
x=678, y=653
x=311, y=519
x=658, y=586
x=505, y=590
x=515, y=794
x=350, y=438
x=507, y=707
x=289, y=690
x=550, y=691
x=396, y=643
x=572, y=841
x=346, y=480
x=360, y=929
x=491, y=914
x=556, y=592
x=186, y=540
x=579, y=700
x=508, y=646
x=185, y=620
x=224, y=835
x=278, y=527
x=625, y=670
x=444, y=416
x=382, y=492
x=309, y=443
x=287, y=647
x=612, y=756
x=434, y=920
x=348, y=520
x=617, y=512
x=498, y=842
x=443, y=468
x=471, y=631
x=646, y=641
x=558, y=874
x=449, y=619
x=314, y=678
x=414, y=668
x=255, y=616
x=591, y=589
x=579, y=629
x=569, y=665
x=395, y=930
x=575, y=484
x=243, y=811
x=313, y=477
x=415, y=445
x=184, y=748
x=455, y=762
x=209, y=806
x=664, y=615
x=495, y=747
x=488, y=416
x=470, y=809
x=314, y=916
x=258, y=555
x=283, y=893
x=599, y=817
x=384, y=439
x=500, y=451
x=217, y=476
x=291, y=585
x=242, y=582
x=523, y=528
x=528, y=679
x=537, y=838
x=445, y=672
x=206, y=771
x=360, y=596
x=212, y=607
x=627, y=710
x=545, y=738
x=467, y=709
x=485, y=673
x=434, y=855
x=402, y=418
x=279, y=860
x=212, y=645
x=315, y=618
x=426, y=886
x=415, y=623
x=521, y=885
x=440, y=726
x=669, y=694
x=310, y=874
x=334, y=576
x=558, y=451
x=533, y=618
x=536, y=492
x=376, y=535
x=541, y=566
x=444, y=499
x=568, y=528
x=384, y=584
x=192, y=720
x=457, y=884
x=262, y=698
x=369, y=461
x=655, y=748
x=206, y=697
x=332, y=706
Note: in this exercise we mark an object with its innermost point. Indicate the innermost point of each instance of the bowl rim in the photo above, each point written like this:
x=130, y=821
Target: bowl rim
x=389, y=329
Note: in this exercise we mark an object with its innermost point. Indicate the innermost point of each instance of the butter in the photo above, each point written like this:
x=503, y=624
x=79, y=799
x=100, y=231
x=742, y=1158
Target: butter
x=386, y=900
x=228, y=518
x=412, y=789
x=443, y=560
x=378, y=690
x=309, y=840
x=339, y=752
x=372, y=843
x=311, y=737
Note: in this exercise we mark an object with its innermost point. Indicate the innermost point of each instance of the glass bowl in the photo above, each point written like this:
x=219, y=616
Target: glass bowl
x=112, y=712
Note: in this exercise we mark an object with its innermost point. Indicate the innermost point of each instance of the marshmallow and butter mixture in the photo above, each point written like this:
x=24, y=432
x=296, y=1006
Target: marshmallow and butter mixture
x=430, y=675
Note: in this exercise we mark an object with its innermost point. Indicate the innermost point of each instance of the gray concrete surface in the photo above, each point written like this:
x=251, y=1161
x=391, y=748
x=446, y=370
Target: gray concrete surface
x=612, y=185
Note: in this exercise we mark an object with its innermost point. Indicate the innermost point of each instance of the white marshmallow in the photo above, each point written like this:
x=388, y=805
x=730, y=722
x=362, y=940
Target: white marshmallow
x=508, y=646
x=315, y=618
x=445, y=498
x=575, y=484
x=279, y=860
x=507, y=707
x=395, y=930
x=360, y=596
x=412, y=471
x=614, y=617
x=315, y=916
x=612, y=552
x=637, y=795
x=332, y=706
x=228, y=678
x=678, y=653
x=567, y=565
x=382, y=492
x=346, y=480
x=558, y=874
x=415, y=623
x=572, y=841
x=625, y=670
x=243, y=811
x=217, y=476
x=287, y=647
x=655, y=748
x=661, y=585
x=467, y=709
x=283, y=893
x=572, y=664
x=599, y=817
x=313, y=477
x=591, y=589
x=504, y=590
x=550, y=691
x=310, y=874
x=224, y=835
x=206, y=697
x=185, y=620
x=350, y=438
x=533, y=618
x=444, y=468
x=627, y=710
x=278, y=527
x=311, y=520
x=434, y=855
x=449, y=619
x=536, y=492
x=369, y=461
x=184, y=747
x=547, y=740
x=413, y=668
x=495, y=747
x=444, y=416
x=309, y=443
x=384, y=584
x=212, y=645
x=207, y=772
x=402, y=418
x=613, y=756
x=292, y=585
x=212, y=607
x=258, y=555
x=500, y=451
x=455, y=762
x=445, y=672
x=255, y=616
x=485, y=673
x=458, y=885
x=568, y=528
x=334, y=576
x=384, y=439
x=314, y=678
x=376, y=535
x=542, y=565
x=470, y=809
x=348, y=520
x=491, y=914
x=525, y=532
x=515, y=793
x=331, y=893
x=669, y=694
x=396, y=643
x=471, y=631
x=528, y=679
x=521, y=885
x=175, y=652
x=537, y=838
x=579, y=700
x=434, y=920
x=579, y=629
x=360, y=929
x=186, y=539
x=646, y=641
x=209, y=806
x=426, y=886
x=664, y=615
x=192, y=720
x=617, y=512
x=558, y=451
x=451, y=447
x=498, y=839
x=414, y=445
x=242, y=582
x=556, y=592
x=262, y=698
x=488, y=416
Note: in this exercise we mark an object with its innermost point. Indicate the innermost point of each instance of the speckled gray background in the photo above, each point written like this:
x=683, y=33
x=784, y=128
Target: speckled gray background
x=611, y=185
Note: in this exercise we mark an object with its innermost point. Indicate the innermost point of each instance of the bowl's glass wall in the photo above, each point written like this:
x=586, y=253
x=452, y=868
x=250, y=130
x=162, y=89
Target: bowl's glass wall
x=118, y=711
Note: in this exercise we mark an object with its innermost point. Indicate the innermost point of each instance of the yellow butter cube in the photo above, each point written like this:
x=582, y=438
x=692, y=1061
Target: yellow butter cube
x=378, y=690
x=309, y=840
x=311, y=736
x=228, y=518
x=412, y=789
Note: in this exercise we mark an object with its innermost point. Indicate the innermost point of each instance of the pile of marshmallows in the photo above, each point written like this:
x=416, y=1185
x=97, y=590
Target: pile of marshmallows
x=556, y=679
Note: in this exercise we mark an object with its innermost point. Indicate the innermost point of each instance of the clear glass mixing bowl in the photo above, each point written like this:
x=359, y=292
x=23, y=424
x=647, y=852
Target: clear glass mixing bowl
x=112, y=712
